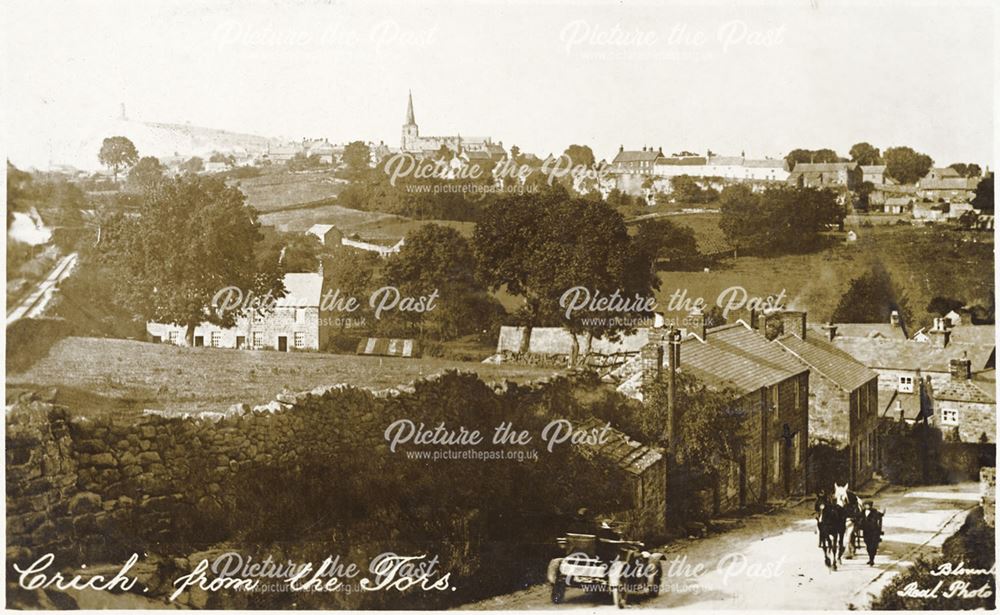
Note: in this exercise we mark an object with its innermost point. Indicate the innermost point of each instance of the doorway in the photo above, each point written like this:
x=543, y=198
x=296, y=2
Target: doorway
x=283, y=343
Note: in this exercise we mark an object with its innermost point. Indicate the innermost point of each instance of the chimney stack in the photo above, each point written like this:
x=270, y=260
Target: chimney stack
x=831, y=330
x=794, y=322
x=894, y=318
x=696, y=323
x=960, y=369
x=939, y=334
x=651, y=357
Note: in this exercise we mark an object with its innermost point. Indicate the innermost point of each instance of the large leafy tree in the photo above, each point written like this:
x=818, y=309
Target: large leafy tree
x=147, y=174
x=808, y=155
x=906, y=165
x=118, y=153
x=685, y=189
x=357, y=157
x=967, y=169
x=983, y=199
x=872, y=297
x=193, y=165
x=194, y=237
x=353, y=273
x=580, y=155
x=865, y=154
x=438, y=258
x=540, y=246
x=783, y=219
x=664, y=240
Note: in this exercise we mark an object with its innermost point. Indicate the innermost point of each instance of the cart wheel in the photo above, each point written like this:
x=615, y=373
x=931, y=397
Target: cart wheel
x=619, y=597
x=558, y=591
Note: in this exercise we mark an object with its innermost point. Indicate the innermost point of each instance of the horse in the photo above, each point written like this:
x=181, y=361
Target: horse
x=831, y=523
x=852, y=507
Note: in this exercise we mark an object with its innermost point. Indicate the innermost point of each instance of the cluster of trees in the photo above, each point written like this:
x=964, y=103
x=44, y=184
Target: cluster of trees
x=903, y=164
x=194, y=236
x=538, y=246
x=809, y=155
x=301, y=162
x=686, y=189
x=782, y=219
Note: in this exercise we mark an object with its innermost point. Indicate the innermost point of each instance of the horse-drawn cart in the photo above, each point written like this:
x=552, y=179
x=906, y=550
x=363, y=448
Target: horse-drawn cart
x=621, y=567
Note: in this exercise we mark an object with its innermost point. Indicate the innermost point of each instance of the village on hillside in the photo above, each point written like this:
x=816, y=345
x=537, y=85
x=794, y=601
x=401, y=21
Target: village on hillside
x=238, y=365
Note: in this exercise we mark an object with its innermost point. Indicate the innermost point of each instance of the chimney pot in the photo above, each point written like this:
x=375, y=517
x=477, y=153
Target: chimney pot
x=831, y=330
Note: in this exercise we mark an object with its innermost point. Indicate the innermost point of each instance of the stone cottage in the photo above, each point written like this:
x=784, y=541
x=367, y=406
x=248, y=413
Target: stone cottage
x=965, y=405
x=644, y=472
x=843, y=396
x=295, y=323
x=773, y=390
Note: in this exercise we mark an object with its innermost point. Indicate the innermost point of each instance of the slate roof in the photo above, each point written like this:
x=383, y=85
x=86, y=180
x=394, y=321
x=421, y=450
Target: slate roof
x=320, y=229
x=874, y=168
x=826, y=359
x=639, y=155
x=950, y=183
x=964, y=390
x=984, y=335
x=909, y=403
x=686, y=161
x=943, y=172
x=870, y=330
x=910, y=354
x=726, y=160
x=897, y=189
x=629, y=455
x=738, y=357
x=302, y=290
x=772, y=163
x=823, y=167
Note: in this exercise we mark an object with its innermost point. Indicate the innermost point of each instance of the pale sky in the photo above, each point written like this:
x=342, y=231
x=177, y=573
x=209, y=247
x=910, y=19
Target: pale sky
x=727, y=76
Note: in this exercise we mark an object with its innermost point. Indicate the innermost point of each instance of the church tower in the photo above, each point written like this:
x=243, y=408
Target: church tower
x=410, y=131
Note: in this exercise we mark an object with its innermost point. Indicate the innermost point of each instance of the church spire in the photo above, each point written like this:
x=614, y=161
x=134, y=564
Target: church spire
x=409, y=111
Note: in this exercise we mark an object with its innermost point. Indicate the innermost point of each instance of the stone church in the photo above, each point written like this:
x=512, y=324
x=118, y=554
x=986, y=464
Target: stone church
x=413, y=143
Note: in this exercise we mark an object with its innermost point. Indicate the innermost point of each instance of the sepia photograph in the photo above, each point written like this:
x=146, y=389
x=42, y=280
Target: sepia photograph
x=498, y=305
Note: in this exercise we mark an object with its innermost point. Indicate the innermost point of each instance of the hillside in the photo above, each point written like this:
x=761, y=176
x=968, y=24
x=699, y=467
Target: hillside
x=923, y=261
x=131, y=376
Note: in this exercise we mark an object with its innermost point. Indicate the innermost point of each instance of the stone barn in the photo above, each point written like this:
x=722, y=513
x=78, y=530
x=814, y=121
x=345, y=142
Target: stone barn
x=644, y=472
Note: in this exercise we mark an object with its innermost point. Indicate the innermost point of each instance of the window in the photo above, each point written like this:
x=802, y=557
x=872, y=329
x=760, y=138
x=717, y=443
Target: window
x=300, y=315
x=298, y=339
x=257, y=340
x=216, y=339
x=949, y=416
x=797, y=449
x=906, y=384
x=774, y=397
x=172, y=337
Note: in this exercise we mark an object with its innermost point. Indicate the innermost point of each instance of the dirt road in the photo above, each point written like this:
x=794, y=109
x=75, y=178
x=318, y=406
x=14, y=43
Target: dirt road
x=773, y=561
x=34, y=304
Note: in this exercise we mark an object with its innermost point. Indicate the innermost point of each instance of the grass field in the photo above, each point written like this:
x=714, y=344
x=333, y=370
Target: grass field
x=923, y=262
x=95, y=375
x=347, y=220
x=278, y=189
